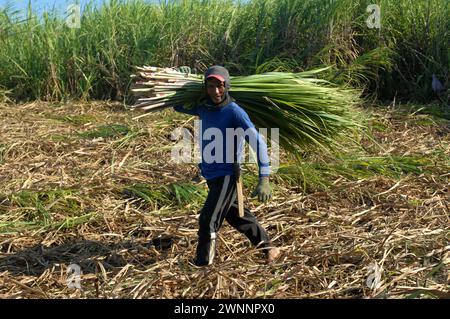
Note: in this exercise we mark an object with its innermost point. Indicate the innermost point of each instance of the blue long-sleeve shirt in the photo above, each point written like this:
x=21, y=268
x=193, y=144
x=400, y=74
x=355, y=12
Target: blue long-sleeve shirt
x=219, y=147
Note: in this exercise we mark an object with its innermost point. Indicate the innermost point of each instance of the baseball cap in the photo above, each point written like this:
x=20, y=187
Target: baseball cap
x=217, y=72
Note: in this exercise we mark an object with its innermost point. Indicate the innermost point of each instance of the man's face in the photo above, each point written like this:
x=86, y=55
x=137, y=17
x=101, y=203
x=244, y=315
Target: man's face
x=215, y=89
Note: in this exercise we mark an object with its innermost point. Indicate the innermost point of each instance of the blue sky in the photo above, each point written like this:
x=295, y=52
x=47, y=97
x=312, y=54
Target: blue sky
x=40, y=6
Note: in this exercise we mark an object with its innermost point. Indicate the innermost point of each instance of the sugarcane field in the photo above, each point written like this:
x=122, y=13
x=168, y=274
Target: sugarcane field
x=119, y=179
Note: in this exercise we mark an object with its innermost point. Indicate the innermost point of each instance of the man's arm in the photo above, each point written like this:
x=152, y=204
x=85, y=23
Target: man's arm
x=262, y=190
x=181, y=109
x=255, y=140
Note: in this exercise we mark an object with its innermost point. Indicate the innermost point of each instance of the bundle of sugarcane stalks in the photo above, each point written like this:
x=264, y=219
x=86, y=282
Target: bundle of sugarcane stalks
x=308, y=111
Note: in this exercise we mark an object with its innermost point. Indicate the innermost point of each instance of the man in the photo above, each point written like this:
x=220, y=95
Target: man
x=219, y=113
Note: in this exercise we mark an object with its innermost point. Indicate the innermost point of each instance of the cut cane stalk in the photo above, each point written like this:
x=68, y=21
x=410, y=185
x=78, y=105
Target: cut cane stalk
x=308, y=112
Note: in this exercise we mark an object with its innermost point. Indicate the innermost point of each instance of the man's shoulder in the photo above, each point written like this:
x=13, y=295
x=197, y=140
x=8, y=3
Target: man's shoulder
x=234, y=105
x=236, y=108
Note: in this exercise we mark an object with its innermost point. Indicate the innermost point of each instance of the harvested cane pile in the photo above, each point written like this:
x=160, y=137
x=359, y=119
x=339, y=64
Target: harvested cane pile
x=309, y=112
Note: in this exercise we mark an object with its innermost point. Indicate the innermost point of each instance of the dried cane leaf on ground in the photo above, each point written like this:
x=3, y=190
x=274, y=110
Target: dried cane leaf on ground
x=334, y=232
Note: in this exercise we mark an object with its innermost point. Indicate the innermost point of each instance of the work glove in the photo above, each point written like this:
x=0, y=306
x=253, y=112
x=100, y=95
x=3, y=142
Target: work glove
x=263, y=189
x=184, y=69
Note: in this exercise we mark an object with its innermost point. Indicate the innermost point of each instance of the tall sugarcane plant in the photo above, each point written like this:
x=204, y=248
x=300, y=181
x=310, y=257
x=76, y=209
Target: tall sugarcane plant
x=309, y=112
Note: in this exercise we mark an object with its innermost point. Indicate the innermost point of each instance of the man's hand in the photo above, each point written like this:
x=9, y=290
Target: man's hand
x=263, y=189
x=184, y=69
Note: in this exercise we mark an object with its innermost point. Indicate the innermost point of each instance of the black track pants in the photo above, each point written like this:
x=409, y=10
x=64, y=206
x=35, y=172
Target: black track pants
x=221, y=204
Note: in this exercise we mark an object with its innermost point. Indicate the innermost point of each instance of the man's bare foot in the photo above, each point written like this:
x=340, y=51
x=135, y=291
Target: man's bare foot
x=272, y=254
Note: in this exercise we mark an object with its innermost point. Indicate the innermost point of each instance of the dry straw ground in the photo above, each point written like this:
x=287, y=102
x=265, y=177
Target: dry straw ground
x=62, y=202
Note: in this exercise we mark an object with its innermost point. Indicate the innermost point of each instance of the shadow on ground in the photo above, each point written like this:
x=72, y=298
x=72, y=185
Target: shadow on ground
x=85, y=253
